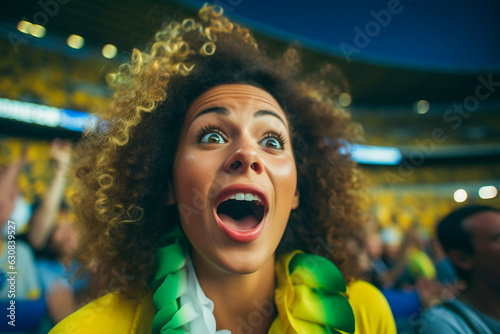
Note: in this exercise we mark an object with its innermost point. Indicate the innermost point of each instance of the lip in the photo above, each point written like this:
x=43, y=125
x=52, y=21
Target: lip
x=241, y=236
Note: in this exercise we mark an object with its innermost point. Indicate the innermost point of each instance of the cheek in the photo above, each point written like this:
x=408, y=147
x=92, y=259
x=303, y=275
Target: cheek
x=187, y=175
x=285, y=175
x=286, y=169
x=186, y=166
x=192, y=182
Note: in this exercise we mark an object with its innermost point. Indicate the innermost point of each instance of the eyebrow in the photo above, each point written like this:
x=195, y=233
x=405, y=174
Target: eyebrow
x=225, y=112
x=268, y=112
x=217, y=110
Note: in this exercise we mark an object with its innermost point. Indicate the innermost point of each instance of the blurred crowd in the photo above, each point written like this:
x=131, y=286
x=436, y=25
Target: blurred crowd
x=37, y=244
x=409, y=267
x=445, y=281
x=50, y=78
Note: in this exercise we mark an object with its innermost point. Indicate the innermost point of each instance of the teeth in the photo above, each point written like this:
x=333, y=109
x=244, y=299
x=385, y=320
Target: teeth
x=244, y=197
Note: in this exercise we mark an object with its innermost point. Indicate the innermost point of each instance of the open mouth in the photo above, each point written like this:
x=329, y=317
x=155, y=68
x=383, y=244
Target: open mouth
x=241, y=212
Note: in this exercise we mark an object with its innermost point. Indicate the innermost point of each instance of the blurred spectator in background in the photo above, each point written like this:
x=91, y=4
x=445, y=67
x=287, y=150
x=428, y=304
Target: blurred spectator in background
x=52, y=235
x=444, y=268
x=42, y=222
x=371, y=310
x=471, y=238
x=402, y=270
x=390, y=262
x=8, y=187
x=19, y=286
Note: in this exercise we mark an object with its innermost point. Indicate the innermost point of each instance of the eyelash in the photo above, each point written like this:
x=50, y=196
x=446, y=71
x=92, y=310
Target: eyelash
x=279, y=136
x=208, y=129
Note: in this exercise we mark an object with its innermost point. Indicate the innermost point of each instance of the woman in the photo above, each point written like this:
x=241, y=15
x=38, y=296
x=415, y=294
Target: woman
x=227, y=166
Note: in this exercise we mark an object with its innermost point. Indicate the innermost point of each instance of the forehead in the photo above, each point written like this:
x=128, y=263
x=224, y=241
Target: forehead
x=484, y=224
x=234, y=96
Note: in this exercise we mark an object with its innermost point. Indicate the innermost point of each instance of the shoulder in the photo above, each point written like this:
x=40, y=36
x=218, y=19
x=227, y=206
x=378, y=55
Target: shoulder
x=367, y=291
x=111, y=313
x=371, y=310
x=440, y=319
x=363, y=295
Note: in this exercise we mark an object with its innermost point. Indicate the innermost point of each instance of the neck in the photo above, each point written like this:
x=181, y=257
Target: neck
x=484, y=297
x=243, y=303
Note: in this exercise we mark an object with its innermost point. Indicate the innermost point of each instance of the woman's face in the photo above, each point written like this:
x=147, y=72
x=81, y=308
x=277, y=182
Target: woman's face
x=235, y=180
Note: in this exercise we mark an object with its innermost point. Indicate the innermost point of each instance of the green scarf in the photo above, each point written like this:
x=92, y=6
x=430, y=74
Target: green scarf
x=308, y=296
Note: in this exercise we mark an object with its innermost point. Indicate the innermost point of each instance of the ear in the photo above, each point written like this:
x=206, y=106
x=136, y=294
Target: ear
x=462, y=260
x=296, y=200
x=170, y=196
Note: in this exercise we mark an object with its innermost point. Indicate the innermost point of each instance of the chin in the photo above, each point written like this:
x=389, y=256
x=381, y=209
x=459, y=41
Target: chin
x=240, y=262
x=243, y=266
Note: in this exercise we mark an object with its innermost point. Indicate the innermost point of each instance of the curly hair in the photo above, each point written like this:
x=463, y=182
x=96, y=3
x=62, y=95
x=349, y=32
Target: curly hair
x=126, y=160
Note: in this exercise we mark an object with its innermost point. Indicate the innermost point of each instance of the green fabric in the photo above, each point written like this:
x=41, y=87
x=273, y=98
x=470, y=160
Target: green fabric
x=308, y=295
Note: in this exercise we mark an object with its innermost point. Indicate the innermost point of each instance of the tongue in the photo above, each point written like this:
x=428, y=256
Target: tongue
x=244, y=224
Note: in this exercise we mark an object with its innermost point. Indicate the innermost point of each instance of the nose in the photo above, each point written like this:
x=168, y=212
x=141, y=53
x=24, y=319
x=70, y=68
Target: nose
x=245, y=157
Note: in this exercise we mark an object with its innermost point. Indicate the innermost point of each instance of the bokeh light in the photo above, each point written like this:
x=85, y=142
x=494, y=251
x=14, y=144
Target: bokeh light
x=109, y=51
x=345, y=99
x=460, y=195
x=24, y=27
x=37, y=31
x=76, y=41
x=421, y=107
x=488, y=192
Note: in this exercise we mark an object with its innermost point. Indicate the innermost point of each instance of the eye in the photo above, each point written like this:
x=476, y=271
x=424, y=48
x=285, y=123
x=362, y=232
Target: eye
x=271, y=143
x=212, y=138
x=273, y=140
x=210, y=135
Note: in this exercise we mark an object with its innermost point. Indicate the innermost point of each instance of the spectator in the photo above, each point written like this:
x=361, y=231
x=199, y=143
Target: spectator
x=51, y=233
x=444, y=268
x=20, y=260
x=391, y=264
x=471, y=238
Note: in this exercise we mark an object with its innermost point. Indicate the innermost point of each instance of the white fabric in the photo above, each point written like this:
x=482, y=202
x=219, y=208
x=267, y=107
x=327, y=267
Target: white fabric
x=197, y=299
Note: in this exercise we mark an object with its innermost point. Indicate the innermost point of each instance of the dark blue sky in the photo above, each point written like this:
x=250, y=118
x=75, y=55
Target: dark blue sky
x=461, y=36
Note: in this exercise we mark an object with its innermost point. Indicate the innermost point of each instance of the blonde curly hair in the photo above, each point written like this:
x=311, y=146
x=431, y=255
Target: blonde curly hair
x=126, y=159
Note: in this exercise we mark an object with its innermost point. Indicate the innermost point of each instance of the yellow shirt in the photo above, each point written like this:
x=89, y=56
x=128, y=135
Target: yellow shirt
x=114, y=313
x=372, y=313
